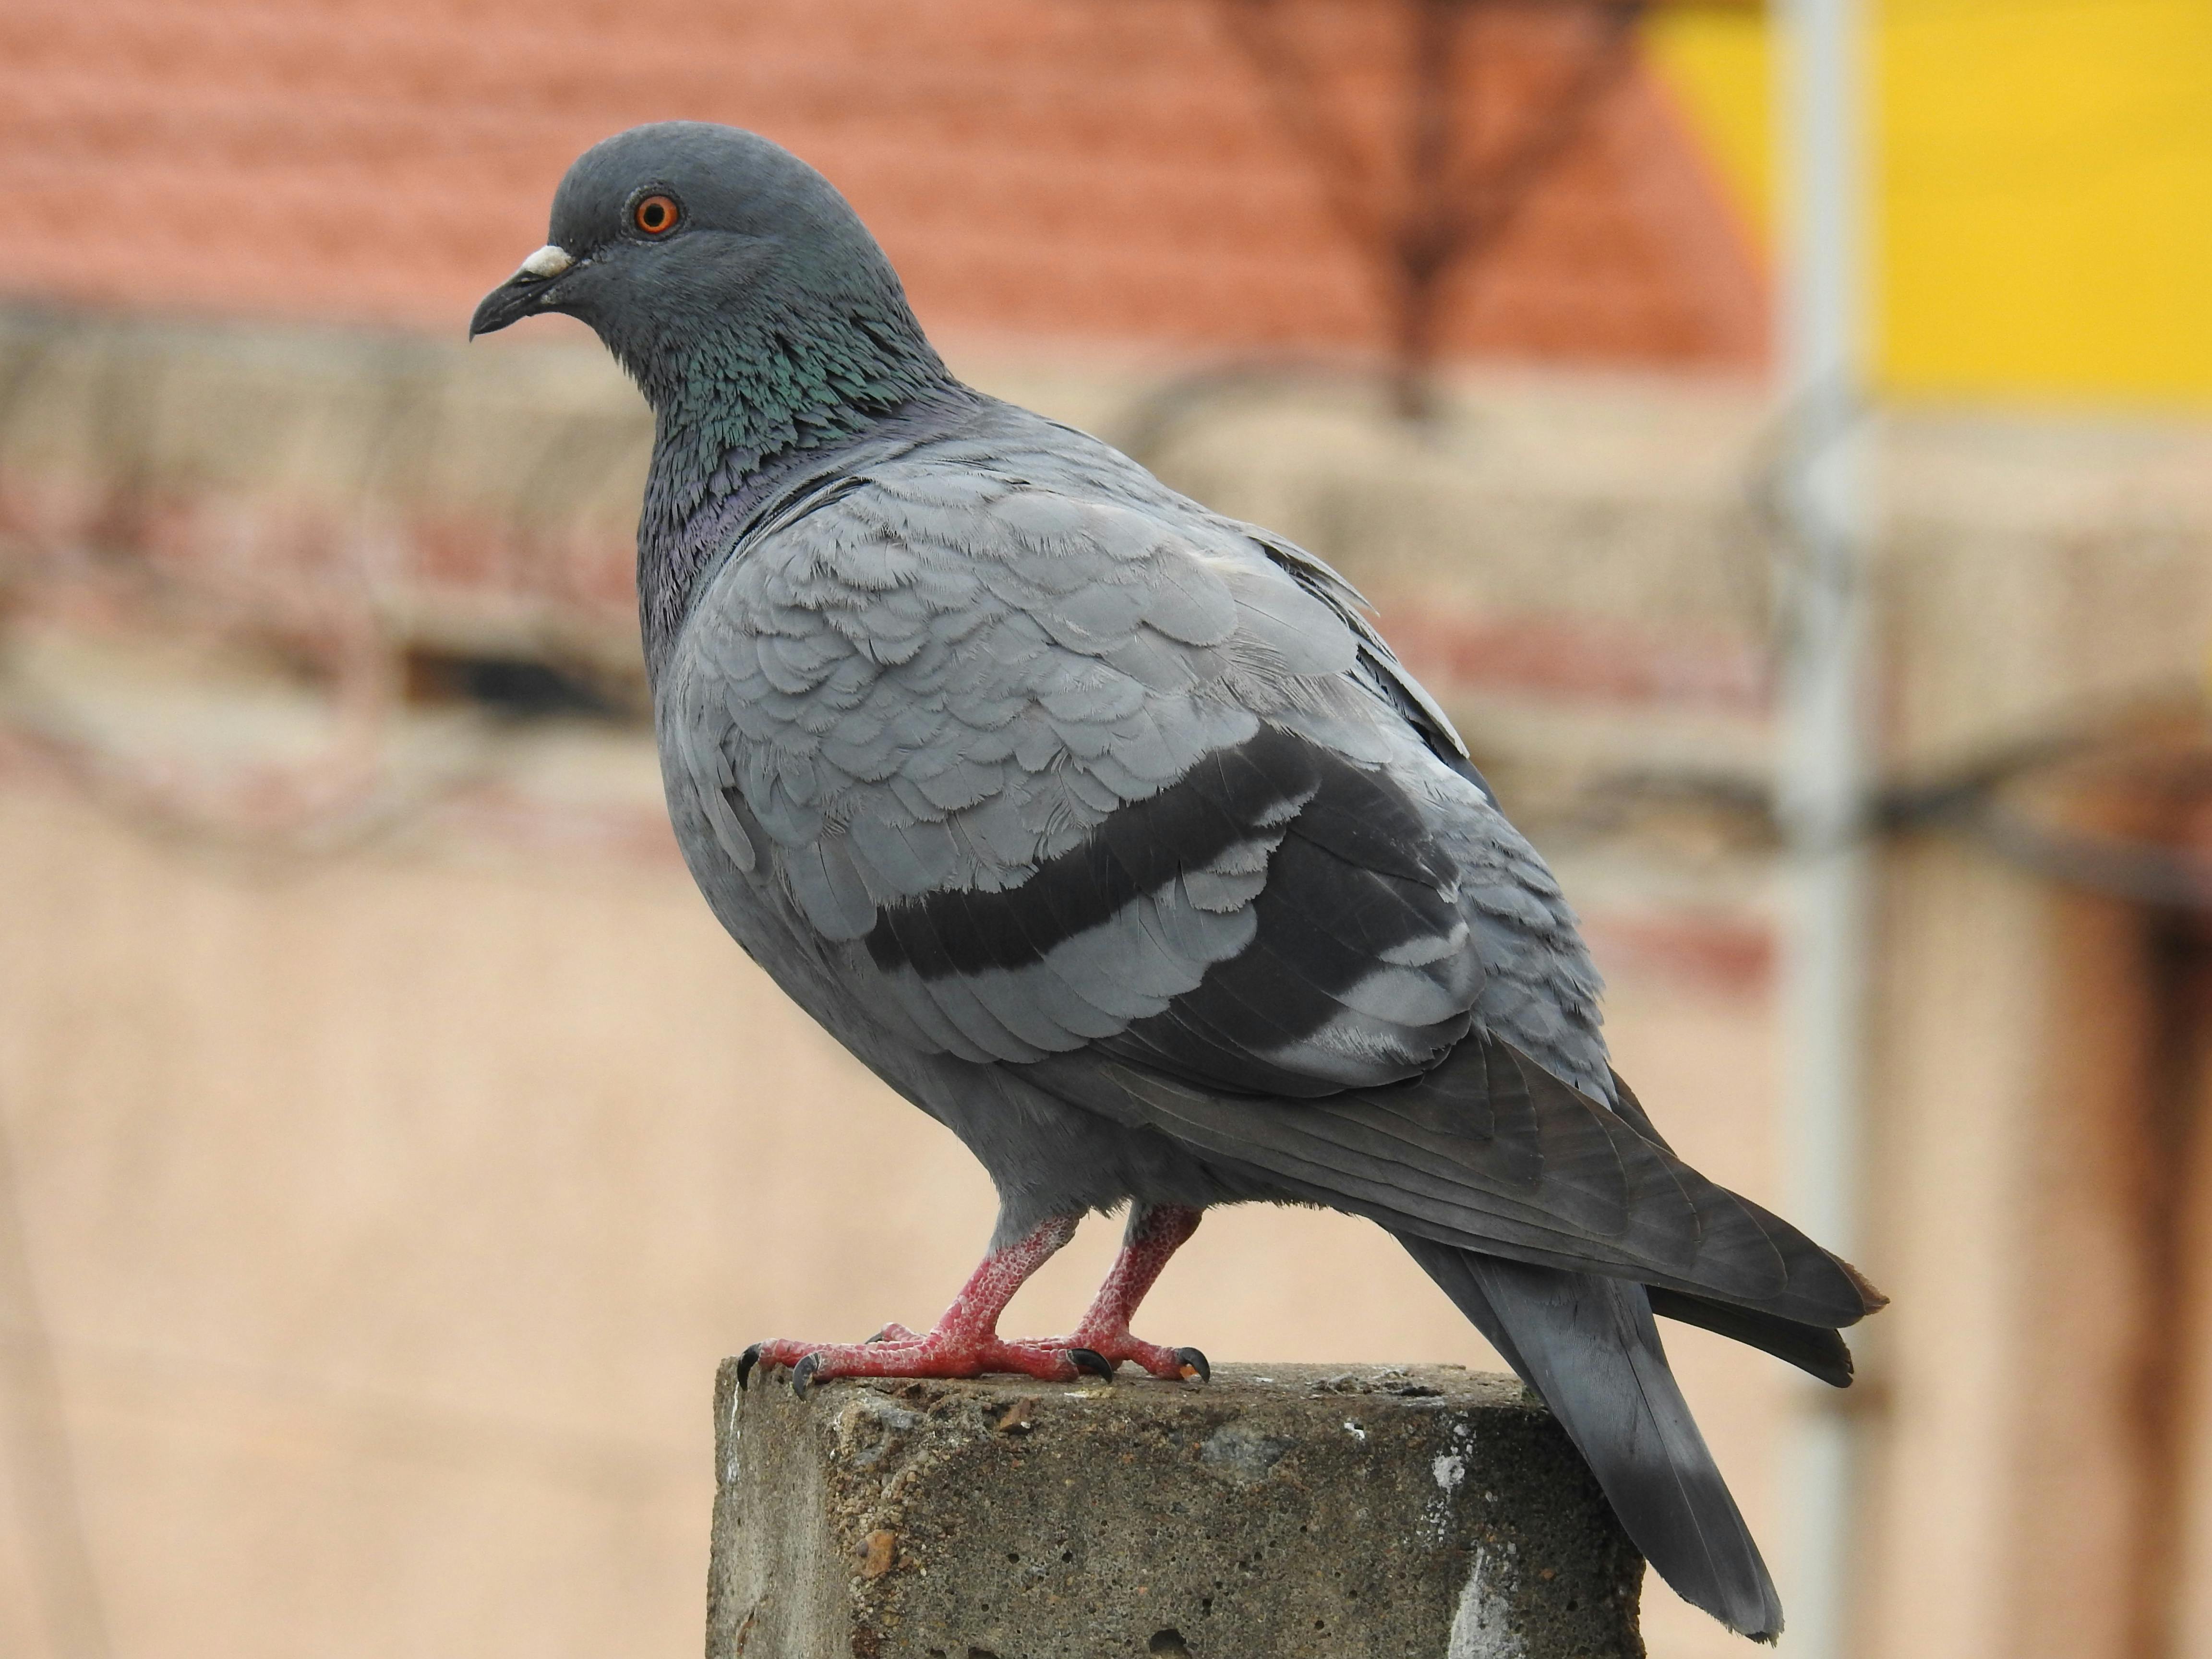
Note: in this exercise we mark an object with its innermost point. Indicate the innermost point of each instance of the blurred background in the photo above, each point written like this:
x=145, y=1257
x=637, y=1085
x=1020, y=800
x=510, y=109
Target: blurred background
x=390, y=1142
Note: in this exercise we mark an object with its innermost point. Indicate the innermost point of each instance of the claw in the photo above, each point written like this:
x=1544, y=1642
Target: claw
x=1194, y=1366
x=1091, y=1360
x=802, y=1374
x=746, y=1361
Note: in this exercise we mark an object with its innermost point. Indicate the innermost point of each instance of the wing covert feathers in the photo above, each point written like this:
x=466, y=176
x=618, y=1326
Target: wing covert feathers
x=1044, y=756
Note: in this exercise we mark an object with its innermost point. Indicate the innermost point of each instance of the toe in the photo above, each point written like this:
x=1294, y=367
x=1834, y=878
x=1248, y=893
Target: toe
x=776, y=1352
x=897, y=1351
x=1176, y=1364
x=1091, y=1361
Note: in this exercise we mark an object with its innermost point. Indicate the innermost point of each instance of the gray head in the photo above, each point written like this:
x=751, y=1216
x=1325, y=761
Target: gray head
x=738, y=289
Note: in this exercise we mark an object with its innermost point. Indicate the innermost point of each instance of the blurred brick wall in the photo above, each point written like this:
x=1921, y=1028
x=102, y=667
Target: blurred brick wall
x=1065, y=168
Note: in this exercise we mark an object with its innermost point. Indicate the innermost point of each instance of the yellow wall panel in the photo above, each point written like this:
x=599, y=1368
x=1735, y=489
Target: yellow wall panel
x=2045, y=193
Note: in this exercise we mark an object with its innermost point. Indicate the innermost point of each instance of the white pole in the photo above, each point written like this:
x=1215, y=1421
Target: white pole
x=1821, y=783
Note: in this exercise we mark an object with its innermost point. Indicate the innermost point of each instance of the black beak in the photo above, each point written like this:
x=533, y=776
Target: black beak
x=523, y=294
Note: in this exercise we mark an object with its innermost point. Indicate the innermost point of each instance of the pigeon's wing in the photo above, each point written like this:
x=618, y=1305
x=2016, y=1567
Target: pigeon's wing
x=1039, y=771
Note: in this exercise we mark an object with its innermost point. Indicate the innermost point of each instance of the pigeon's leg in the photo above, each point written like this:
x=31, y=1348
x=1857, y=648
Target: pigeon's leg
x=1154, y=1235
x=965, y=1342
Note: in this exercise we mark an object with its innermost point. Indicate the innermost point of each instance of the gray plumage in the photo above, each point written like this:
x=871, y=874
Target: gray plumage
x=1107, y=830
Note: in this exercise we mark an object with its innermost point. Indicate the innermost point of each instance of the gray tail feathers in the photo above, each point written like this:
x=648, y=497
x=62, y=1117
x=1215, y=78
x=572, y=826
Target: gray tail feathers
x=1588, y=1344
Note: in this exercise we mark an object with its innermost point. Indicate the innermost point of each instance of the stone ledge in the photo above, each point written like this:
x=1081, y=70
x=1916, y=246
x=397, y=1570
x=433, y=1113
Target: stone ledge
x=1279, y=1512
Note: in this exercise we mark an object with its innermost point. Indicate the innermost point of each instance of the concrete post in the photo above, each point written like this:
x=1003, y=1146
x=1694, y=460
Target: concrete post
x=1278, y=1512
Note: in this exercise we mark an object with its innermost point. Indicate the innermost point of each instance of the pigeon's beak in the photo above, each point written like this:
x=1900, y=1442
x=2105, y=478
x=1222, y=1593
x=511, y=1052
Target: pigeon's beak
x=522, y=294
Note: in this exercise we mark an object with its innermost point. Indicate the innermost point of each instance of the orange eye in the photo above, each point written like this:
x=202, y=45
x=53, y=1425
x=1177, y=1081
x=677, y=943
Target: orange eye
x=656, y=216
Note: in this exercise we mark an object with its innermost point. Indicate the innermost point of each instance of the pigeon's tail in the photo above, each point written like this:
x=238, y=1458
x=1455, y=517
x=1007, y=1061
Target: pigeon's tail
x=1588, y=1345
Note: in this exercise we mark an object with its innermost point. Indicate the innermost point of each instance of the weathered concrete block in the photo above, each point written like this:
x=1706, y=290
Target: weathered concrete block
x=1279, y=1512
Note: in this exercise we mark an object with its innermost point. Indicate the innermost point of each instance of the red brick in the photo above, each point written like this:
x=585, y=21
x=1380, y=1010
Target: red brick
x=1102, y=168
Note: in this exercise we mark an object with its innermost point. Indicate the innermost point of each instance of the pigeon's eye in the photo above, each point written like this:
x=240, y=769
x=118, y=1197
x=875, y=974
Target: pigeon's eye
x=656, y=216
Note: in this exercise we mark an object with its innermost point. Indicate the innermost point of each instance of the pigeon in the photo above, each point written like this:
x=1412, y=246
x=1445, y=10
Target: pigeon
x=1109, y=832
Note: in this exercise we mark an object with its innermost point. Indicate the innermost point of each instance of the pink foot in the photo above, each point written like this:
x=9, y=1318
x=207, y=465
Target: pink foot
x=941, y=1352
x=1109, y=1343
x=966, y=1342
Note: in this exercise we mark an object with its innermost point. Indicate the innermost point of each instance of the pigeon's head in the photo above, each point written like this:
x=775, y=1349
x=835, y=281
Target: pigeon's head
x=699, y=252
